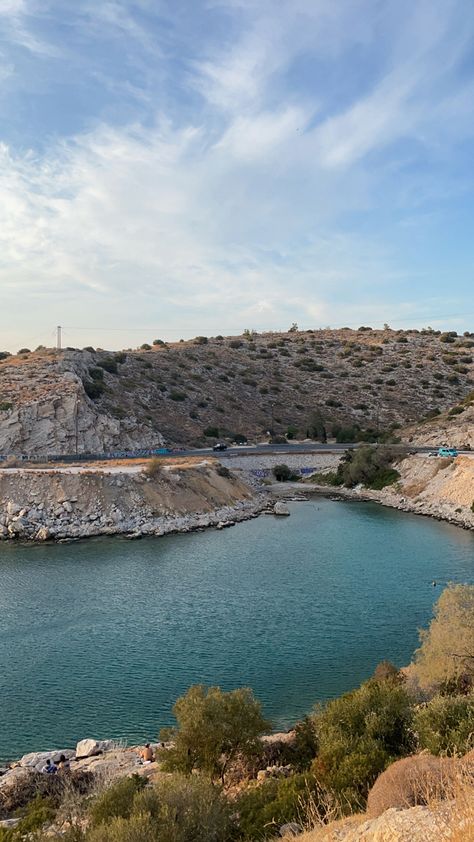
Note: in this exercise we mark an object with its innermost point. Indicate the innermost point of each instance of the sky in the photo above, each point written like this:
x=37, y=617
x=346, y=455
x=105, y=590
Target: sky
x=170, y=168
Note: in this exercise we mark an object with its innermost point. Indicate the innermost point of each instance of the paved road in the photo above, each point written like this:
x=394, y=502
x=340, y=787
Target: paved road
x=306, y=447
x=251, y=450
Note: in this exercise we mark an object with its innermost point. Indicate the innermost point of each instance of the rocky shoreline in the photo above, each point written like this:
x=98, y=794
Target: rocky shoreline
x=392, y=500
x=63, y=506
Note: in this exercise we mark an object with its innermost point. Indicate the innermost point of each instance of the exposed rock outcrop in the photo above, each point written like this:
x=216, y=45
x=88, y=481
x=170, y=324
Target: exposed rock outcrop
x=38, y=504
x=46, y=411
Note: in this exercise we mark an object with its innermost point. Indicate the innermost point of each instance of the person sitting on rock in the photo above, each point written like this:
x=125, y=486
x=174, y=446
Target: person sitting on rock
x=49, y=768
x=63, y=764
x=146, y=754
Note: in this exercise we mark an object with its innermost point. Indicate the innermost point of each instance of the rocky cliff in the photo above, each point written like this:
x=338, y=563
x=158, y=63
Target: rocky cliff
x=44, y=409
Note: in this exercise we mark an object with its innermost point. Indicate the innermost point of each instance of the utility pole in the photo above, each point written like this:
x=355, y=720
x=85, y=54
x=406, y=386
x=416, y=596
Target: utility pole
x=58, y=337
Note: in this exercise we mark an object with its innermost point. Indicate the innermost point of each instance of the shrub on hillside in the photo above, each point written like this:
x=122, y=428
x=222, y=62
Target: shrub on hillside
x=413, y=780
x=213, y=729
x=447, y=646
x=211, y=432
x=117, y=800
x=153, y=468
x=108, y=364
x=263, y=809
x=137, y=828
x=359, y=734
x=283, y=473
x=371, y=466
x=175, y=809
x=446, y=725
x=93, y=388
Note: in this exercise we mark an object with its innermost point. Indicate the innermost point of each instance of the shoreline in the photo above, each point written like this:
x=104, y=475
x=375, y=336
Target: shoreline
x=463, y=519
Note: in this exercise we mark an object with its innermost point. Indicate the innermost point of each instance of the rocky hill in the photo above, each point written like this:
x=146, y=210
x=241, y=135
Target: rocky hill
x=454, y=427
x=188, y=393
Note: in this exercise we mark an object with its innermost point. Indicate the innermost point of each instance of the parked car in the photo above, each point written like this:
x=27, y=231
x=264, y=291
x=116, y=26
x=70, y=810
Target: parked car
x=220, y=446
x=433, y=453
x=447, y=451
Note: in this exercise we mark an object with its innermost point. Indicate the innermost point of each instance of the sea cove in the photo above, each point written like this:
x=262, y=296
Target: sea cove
x=98, y=638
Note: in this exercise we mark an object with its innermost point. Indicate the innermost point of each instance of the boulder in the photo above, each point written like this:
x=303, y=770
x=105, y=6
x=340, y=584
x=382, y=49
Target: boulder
x=35, y=760
x=43, y=534
x=89, y=747
x=281, y=509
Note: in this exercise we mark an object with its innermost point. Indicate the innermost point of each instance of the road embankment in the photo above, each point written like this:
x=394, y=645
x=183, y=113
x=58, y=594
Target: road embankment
x=73, y=503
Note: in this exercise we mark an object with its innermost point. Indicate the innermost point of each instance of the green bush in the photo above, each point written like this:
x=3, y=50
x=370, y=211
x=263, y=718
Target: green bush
x=213, y=729
x=137, y=828
x=263, y=809
x=4, y=355
x=93, y=389
x=211, y=432
x=117, y=800
x=109, y=364
x=145, y=347
x=201, y=340
x=177, y=396
x=283, y=473
x=5, y=406
x=446, y=725
x=359, y=734
x=96, y=373
x=370, y=466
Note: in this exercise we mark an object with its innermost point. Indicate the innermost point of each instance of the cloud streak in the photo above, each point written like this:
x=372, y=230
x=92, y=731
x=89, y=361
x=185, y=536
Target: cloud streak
x=260, y=172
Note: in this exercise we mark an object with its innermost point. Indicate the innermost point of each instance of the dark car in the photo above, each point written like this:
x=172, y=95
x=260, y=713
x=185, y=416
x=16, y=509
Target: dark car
x=220, y=446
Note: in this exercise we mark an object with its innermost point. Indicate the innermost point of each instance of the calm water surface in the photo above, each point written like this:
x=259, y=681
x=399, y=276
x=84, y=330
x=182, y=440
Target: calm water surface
x=99, y=638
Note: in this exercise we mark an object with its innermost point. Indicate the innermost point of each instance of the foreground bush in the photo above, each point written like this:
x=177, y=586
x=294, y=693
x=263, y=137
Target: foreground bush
x=51, y=788
x=117, y=801
x=446, y=725
x=359, y=734
x=414, y=780
x=176, y=809
x=263, y=809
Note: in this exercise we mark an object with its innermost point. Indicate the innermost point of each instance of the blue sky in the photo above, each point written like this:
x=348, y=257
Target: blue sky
x=190, y=167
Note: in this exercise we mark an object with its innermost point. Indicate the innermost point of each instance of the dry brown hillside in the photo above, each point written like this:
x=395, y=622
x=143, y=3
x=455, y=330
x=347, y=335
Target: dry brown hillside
x=454, y=427
x=98, y=400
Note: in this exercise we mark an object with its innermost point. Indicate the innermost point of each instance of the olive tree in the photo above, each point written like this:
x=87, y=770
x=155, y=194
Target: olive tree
x=446, y=655
x=214, y=728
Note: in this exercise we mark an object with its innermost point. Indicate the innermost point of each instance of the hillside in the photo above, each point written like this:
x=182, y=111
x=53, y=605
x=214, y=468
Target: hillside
x=454, y=427
x=91, y=400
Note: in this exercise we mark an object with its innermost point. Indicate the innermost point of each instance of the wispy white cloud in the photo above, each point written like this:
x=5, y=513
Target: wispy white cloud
x=238, y=193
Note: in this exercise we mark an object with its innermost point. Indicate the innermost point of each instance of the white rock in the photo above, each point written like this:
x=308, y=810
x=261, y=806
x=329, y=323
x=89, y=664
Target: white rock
x=281, y=509
x=89, y=747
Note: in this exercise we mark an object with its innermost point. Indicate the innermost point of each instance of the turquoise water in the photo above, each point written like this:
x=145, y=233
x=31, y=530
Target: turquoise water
x=99, y=638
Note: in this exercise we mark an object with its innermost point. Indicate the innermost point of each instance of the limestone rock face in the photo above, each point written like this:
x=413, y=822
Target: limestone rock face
x=50, y=412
